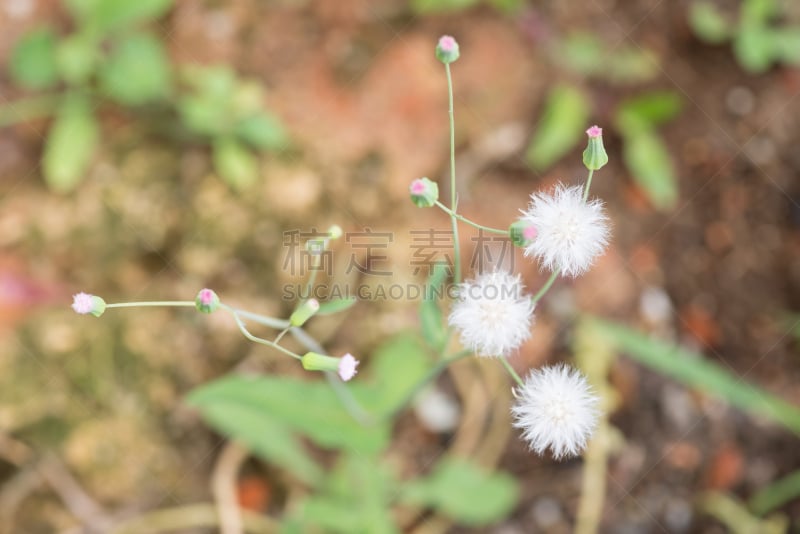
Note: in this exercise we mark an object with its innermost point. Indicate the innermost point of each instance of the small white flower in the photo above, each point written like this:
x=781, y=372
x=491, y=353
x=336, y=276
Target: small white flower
x=492, y=315
x=556, y=408
x=570, y=233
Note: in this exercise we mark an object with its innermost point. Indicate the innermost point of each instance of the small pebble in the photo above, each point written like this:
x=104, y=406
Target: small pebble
x=740, y=101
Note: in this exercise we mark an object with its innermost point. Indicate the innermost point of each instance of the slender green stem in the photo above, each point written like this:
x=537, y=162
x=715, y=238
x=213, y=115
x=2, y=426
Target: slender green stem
x=312, y=278
x=28, y=108
x=427, y=379
x=164, y=303
x=469, y=222
x=546, y=287
x=257, y=339
x=281, y=334
x=588, y=185
x=453, y=195
x=511, y=371
x=261, y=319
x=348, y=400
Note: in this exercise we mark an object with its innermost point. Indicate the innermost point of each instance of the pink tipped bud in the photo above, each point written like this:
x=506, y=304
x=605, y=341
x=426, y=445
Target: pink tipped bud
x=424, y=192
x=522, y=233
x=344, y=366
x=206, y=301
x=595, y=157
x=594, y=132
x=447, y=49
x=304, y=312
x=84, y=303
x=347, y=367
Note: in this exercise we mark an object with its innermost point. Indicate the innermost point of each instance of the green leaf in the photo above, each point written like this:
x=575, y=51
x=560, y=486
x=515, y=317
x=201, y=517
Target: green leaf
x=137, y=71
x=368, y=486
x=33, y=60
x=755, y=48
x=648, y=110
x=336, y=305
x=648, y=160
x=310, y=408
x=430, y=315
x=696, y=372
x=440, y=6
x=787, y=45
x=70, y=145
x=235, y=163
x=465, y=492
x=758, y=12
x=262, y=131
x=207, y=109
x=776, y=494
x=270, y=439
x=77, y=56
x=708, y=23
x=561, y=128
x=397, y=367
x=582, y=52
x=735, y=516
x=102, y=17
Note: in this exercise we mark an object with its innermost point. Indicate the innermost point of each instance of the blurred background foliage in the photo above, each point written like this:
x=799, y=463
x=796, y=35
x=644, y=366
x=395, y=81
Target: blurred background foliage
x=151, y=148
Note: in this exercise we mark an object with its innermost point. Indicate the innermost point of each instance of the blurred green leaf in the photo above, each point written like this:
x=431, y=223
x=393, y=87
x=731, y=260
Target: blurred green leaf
x=565, y=117
x=262, y=130
x=137, y=71
x=708, y=23
x=758, y=12
x=235, y=163
x=207, y=109
x=310, y=408
x=365, y=484
x=582, y=52
x=755, y=48
x=430, y=315
x=70, y=145
x=259, y=430
x=438, y=6
x=734, y=515
x=776, y=494
x=336, y=305
x=787, y=45
x=77, y=56
x=695, y=371
x=585, y=54
x=508, y=6
x=397, y=366
x=102, y=17
x=648, y=160
x=465, y=492
x=648, y=111
x=33, y=60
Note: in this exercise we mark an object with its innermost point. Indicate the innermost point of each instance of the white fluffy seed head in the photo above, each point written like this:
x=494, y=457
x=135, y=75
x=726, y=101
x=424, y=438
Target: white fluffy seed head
x=492, y=315
x=556, y=409
x=570, y=233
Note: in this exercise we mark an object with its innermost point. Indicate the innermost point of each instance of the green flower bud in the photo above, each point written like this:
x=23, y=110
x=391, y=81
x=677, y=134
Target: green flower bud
x=447, y=49
x=313, y=361
x=207, y=301
x=424, y=192
x=595, y=157
x=304, y=312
